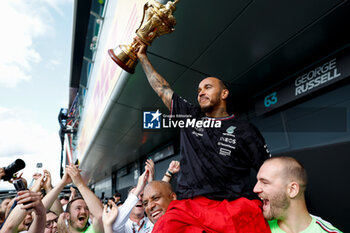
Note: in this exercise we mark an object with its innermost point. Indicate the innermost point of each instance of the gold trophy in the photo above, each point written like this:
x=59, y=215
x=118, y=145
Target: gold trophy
x=157, y=20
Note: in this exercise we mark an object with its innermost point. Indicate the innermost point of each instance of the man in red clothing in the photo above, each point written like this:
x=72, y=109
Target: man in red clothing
x=159, y=198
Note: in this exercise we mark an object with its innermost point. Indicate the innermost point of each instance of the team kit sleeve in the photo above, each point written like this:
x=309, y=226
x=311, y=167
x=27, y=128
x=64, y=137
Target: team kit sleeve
x=180, y=105
x=255, y=146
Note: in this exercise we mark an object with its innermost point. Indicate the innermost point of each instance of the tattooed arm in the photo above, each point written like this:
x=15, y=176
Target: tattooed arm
x=158, y=83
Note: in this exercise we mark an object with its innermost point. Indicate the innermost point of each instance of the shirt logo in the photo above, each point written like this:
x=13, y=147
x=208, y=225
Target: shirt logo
x=151, y=120
x=225, y=152
x=231, y=129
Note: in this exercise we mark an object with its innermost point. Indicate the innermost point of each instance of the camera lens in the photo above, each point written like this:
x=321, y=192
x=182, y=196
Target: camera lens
x=13, y=168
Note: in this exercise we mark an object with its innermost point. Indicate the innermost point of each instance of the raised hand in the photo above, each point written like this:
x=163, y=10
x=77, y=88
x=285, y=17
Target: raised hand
x=73, y=193
x=141, y=183
x=36, y=176
x=150, y=168
x=38, y=182
x=174, y=167
x=66, y=178
x=47, y=185
x=31, y=202
x=61, y=223
x=74, y=173
x=16, y=177
x=142, y=48
x=108, y=218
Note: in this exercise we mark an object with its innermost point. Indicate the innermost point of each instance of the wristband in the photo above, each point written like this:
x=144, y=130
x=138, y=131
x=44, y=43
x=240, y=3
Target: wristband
x=170, y=172
x=169, y=176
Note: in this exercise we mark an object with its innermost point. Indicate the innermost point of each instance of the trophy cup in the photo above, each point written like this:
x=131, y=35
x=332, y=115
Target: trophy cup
x=157, y=20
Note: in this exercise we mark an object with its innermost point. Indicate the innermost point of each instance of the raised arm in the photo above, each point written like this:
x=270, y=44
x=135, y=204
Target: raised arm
x=130, y=202
x=174, y=167
x=50, y=199
x=109, y=217
x=158, y=83
x=27, y=201
x=94, y=204
x=150, y=168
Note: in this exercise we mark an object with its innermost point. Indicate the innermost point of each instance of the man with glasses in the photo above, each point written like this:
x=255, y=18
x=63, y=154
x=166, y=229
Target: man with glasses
x=51, y=222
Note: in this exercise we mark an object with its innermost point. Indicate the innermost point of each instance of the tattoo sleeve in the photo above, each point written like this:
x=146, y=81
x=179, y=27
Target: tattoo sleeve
x=158, y=83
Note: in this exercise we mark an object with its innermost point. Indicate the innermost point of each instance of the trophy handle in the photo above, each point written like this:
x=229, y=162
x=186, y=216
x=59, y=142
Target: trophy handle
x=145, y=7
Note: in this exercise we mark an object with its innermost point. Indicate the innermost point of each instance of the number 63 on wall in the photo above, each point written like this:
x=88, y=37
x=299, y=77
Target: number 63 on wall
x=270, y=99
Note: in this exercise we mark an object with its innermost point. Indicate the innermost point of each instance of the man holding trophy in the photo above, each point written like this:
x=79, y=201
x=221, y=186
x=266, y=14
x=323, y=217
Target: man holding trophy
x=213, y=182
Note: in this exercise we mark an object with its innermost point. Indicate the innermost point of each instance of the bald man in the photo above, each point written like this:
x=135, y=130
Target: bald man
x=281, y=186
x=157, y=196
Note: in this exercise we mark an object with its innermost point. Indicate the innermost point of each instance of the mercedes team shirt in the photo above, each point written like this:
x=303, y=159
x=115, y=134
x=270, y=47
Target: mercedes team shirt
x=216, y=161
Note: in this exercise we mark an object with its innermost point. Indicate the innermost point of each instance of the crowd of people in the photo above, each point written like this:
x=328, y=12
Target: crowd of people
x=150, y=205
x=213, y=192
x=44, y=208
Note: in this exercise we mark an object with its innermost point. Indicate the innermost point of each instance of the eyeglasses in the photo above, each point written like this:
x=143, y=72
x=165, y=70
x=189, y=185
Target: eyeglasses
x=49, y=224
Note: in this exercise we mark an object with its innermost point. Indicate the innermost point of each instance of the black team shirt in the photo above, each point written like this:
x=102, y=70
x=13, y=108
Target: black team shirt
x=216, y=162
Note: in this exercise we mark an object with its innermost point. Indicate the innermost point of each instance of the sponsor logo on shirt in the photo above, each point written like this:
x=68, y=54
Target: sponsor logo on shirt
x=228, y=140
x=226, y=145
x=225, y=152
x=231, y=129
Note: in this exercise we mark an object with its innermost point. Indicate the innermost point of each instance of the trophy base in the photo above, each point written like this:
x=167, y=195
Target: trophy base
x=123, y=57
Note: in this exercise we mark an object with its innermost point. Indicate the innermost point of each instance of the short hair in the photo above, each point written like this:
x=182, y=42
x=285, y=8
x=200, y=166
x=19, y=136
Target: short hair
x=70, y=203
x=161, y=183
x=229, y=100
x=223, y=84
x=117, y=195
x=293, y=170
x=50, y=211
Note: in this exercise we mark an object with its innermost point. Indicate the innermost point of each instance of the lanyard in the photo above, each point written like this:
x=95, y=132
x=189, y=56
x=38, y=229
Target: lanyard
x=133, y=228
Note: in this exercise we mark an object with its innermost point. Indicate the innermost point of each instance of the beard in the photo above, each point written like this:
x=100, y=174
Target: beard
x=211, y=105
x=207, y=109
x=278, y=204
x=77, y=226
